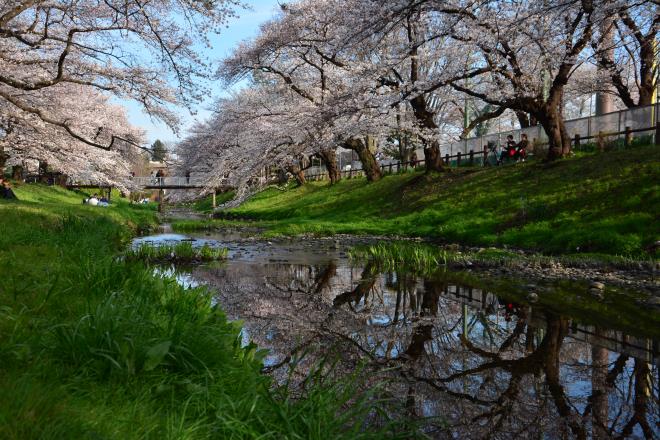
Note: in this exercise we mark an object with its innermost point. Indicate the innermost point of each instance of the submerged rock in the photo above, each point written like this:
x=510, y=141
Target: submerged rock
x=532, y=297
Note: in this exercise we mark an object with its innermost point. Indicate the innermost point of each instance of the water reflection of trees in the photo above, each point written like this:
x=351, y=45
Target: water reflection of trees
x=492, y=371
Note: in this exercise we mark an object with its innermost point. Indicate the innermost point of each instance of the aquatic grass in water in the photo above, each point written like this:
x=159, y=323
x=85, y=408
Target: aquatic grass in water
x=417, y=258
x=422, y=258
x=180, y=252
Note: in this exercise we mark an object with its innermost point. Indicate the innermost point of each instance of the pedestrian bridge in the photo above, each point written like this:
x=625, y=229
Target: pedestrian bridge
x=174, y=182
x=148, y=182
x=158, y=183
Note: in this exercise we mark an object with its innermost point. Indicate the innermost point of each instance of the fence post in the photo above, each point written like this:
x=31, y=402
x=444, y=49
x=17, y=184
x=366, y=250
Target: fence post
x=471, y=157
x=628, y=139
x=577, y=141
x=213, y=199
x=458, y=159
x=447, y=159
x=657, y=134
x=390, y=167
x=485, y=155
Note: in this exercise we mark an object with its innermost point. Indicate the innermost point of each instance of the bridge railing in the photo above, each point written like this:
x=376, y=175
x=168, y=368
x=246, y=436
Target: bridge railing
x=167, y=181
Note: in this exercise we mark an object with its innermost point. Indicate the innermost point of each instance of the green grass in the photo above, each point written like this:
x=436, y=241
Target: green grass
x=397, y=256
x=598, y=203
x=202, y=225
x=425, y=258
x=205, y=204
x=183, y=252
x=95, y=346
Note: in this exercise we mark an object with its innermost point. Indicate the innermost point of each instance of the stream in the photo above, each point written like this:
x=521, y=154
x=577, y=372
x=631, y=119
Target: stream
x=458, y=348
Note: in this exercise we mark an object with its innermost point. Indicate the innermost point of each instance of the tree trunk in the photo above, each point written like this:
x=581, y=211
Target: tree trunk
x=3, y=161
x=647, y=72
x=551, y=348
x=369, y=163
x=61, y=180
x=329, y=158
x=432, y=158
x=600, y=390
x=43, y=171
x=366, y=283
x=297, y=173
x=558, y=138
x=17, y=172
x=404, y=152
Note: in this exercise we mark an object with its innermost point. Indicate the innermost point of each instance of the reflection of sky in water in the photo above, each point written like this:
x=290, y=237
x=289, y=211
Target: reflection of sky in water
x=172, y=239
x=185, y=279
x=280, y=302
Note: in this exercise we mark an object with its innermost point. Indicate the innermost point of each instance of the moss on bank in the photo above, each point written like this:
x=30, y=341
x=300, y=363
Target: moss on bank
x=600, y=203
x=93, y=346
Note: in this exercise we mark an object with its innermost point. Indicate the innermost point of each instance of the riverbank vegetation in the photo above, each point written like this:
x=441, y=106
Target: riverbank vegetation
x=585, y=205
x=93, y=346
x=184, y=252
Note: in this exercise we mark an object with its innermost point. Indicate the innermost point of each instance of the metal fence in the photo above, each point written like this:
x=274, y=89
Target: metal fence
x=620, y=126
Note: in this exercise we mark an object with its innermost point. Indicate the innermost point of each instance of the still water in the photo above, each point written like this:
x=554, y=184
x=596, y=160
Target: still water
x=456, y=347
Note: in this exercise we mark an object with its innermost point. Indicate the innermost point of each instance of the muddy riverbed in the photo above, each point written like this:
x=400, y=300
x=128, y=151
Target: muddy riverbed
x=483, y=355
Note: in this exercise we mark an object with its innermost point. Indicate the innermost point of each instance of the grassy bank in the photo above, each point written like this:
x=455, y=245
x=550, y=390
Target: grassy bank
x=93, y=346
x=603, y=203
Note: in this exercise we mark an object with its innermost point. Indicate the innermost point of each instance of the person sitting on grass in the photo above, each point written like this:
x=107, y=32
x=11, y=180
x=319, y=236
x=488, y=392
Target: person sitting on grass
x=5, y=190
x=521, y=148
x=94, y=200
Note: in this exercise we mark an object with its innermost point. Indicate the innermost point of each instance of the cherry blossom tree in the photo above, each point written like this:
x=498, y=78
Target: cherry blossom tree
x=525, y=54
x=25, y=137
x=133, y=49
x=254, y=129
x=354, y=73
x=626, y=50
x=304, y=50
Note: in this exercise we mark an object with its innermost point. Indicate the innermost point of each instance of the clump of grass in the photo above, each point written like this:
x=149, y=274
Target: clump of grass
x=193, y=225
x=423, y=258
x=181, y=252
x=205, y=225
x=417, y=258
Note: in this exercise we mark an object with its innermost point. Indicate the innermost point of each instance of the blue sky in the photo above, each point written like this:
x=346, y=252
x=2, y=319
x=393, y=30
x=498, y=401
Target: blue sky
x=246, y=26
